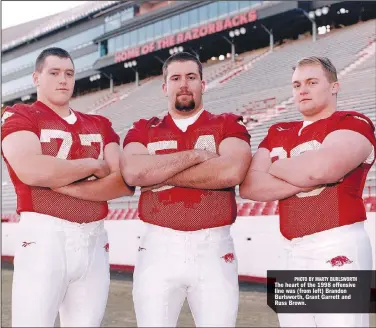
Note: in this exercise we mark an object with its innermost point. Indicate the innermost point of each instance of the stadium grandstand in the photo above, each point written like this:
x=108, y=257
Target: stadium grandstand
x=247, y=49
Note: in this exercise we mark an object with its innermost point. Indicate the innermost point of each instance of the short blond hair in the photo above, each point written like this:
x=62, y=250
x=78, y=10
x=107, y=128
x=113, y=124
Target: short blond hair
x=324, y=62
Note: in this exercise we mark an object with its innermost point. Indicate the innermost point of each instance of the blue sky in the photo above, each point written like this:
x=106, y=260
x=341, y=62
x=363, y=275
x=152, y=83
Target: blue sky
x=12, y=15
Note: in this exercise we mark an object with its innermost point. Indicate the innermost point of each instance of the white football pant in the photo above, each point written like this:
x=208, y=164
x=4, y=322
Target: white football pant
x=314, y=252
x=172, y=265
x=59, y=266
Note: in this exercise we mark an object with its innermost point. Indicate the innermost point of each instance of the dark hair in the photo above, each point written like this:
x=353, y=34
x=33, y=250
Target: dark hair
x=324, y=62
x=58, y=52
x=181, y=57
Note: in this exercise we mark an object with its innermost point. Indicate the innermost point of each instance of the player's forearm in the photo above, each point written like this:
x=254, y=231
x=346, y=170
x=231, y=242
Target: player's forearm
x=263, y=187
x=107, y=188
x=306, y=170
x=52, y=172
x=216, y=173
x=147, y=170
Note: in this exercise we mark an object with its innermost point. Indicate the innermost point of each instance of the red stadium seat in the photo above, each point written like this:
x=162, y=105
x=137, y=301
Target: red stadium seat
x=370, y=200
x=368, y=207
x=243, y=212
x=5, y=218
x=115, y=215
x=122, y=214
x=268, y=210
x=111, y=215
x=14, y=217
x=135, y=214
x=239, y=206
x=269, y=204
x=257, y=208
x=131, y=213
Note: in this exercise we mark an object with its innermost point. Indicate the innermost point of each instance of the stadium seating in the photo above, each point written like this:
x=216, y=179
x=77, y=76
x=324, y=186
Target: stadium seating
x=244, y=209
x=261, y=92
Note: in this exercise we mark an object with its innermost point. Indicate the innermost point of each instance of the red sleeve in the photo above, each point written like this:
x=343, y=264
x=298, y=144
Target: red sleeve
x=358, y=123
x=16, y=119
x=265, y=143
x=234, y=127
x=137, y=133
x=109, y=134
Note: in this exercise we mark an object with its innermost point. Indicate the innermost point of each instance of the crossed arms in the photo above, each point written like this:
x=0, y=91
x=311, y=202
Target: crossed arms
x=341, y=152
x=196, y=168
x=23, y=151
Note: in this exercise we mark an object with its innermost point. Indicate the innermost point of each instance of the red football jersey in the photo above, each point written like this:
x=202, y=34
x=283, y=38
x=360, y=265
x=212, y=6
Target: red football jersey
x=187, y=209
x=330, y=206
x=86, y=138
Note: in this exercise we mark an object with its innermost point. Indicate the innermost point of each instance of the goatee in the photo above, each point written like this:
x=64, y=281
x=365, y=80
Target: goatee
x=185, y=107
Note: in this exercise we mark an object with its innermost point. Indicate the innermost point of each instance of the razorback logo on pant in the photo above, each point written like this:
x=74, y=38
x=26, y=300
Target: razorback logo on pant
x=339, y=261
x=229, y=257
x=25, y=243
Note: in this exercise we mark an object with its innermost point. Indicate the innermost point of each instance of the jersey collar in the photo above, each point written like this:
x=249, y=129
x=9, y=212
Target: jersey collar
x=202, y=117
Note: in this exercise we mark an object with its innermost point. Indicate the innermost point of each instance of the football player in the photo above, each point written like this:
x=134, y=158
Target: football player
x=64, y=166
x=187, y=164
x=317, y=168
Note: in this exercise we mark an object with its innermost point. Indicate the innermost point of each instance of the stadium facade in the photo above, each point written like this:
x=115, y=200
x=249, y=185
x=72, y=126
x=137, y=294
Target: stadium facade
x=116, y=42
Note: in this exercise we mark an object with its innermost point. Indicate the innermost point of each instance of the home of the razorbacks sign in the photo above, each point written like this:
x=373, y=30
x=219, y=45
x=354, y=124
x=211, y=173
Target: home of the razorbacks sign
x=192, y=34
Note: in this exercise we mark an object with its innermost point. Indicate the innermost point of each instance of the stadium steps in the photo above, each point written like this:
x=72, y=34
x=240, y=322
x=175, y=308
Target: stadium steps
x=242, y=63
x=245, y=90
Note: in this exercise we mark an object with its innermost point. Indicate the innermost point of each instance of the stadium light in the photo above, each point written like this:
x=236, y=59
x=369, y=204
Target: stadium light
x=325, y=10
x=318, y=12
x=311, y=14
x=342, y=11
x=94, y=77
x=176, y=50
x=25, y=98
x=237, y=32
x=322, y=30
x=130, y=64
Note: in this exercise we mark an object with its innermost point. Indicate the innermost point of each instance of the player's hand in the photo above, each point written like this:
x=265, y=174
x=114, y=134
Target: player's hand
x=205, y=155
x=102, y=169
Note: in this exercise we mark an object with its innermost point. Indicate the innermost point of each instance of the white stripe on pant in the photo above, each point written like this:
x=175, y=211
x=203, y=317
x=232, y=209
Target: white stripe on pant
x=173, y=265
x=62, y=267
